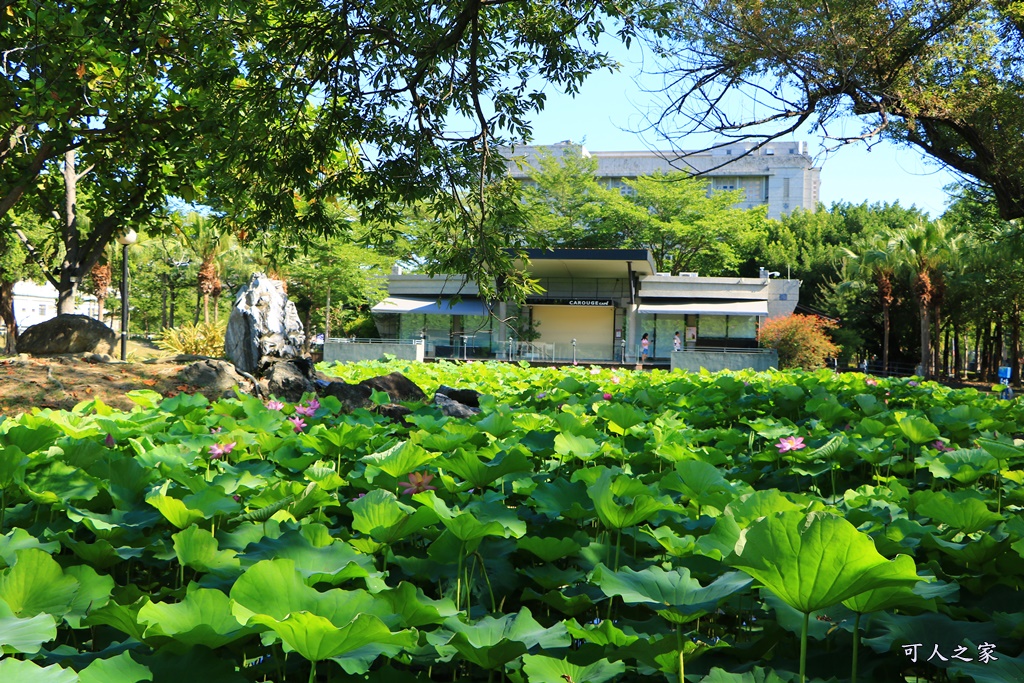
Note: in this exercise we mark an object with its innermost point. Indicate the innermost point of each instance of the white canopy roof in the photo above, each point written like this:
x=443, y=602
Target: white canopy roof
x=394, y=304
x=752, y=307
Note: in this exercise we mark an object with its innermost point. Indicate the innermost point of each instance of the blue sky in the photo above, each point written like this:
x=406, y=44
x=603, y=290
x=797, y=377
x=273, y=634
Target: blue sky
x=610, y=106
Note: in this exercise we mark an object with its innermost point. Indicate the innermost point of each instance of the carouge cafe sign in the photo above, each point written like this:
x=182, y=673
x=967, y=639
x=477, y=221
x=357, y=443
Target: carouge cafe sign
x=570, y=302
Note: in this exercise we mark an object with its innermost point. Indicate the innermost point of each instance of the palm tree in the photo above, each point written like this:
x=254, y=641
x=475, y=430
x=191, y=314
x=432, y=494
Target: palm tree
x=201, y=237
x=925, y=248
x=877, y=260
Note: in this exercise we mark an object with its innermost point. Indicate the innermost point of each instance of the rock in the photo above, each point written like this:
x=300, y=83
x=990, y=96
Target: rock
x=213, y=377
x=467, y=397
x=98, y=358
x=395, y=412
x=288, y=380
x=352, y=396
x=263, y=325
x=67, y=334
x=453, y=408
x=397, y=386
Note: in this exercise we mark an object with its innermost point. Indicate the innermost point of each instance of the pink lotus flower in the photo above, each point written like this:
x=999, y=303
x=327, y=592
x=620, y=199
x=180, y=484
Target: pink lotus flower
x=595, y=371
x=298, y=422
x=275, y=405
x=313, y=403
x=216, y=430
x=418, y=483
x=871, y=381
x=109, y=441
x=217, y=451
x=942, y=447
x=607, y=396
x=790, y=443
x=616, y=379
x=303, y=410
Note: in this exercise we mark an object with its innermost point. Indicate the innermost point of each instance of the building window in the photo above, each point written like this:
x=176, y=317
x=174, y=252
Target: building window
x=42, y=309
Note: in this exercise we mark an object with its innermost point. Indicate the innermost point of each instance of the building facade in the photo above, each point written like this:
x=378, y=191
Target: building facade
x=596, y=305
x=780, y=175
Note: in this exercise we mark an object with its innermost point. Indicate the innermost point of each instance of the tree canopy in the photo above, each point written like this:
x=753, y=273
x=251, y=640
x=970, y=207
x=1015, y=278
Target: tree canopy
x=946, y=77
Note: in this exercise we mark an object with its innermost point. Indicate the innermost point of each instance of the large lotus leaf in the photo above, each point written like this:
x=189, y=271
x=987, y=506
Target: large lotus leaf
x=446, y=441
x=332, y=563
x=621, y=416
x=675, y=590
x=496, y=424
x=491, y=642
x=603, y=633
x=124, y=618
x=17, y=671
x=541, y=669
x=755, y=675
x=570, y=605
x=24, y=635
x=173, y=509
x=1000, y=669
x=481, y=473
x=673, y=543
x=721, y=540
x=13, y=463
x=59, y=482
x=550, y=577
x=414, y=608
x=582, y=447
x=36, y=584
x=203, y=618
x=380, y=514
x=891, y=597
x=1001, y=450
x=197, y=548
x=317, y=638
x=470, y=525
x=896, y=630
x=94, y=592
x=359, y=661
x=702, y=482
x=562, y=498
x=119, y=669
x=397, y=461
x=19, y=539
x=972, y=553
x=548, y=549
x=962, y=512
x=31, y=438
x=964, y=466
x=632, y=506
x=171, y=665
x=753, y=506
x=102, y=553
x=919, y=429
x=814, y=561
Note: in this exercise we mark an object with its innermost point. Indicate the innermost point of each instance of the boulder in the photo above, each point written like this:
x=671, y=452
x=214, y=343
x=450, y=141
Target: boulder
x=396, y=385
x=213, y=377
x=467, y=397
x=68, y=334
x=264, y=325
x=352, y=396
x=395, y=413
x=453, y=408
x=289, y=380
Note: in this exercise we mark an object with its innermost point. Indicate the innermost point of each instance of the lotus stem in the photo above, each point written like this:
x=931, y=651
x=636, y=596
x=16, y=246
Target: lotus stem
x=312, y=671
x=803, y=647
x=856, y=647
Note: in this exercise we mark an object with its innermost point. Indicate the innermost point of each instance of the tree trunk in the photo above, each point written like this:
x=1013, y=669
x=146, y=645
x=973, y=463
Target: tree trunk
x=7, y=315
x=1015, y=345
x=958, y=351
x=174, y=300
x=937, y=341
x=885, y=340
x=926, y=342
x=199, y=301
x=163, y=302
x=984, y=356
x=997, y=356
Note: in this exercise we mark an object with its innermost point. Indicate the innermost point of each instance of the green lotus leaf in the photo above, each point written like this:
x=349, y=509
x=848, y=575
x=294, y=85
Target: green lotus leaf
x=604, y=633
x=385, y=519
x=896, y=630
x=753, y=506
x=702, y=482
x=119, y=669
x=972, y=552
x=542, y=669
x=675, y=590
x=891, y=597
x=204, y=617
x=101, y=554
x=491, y=642
x=13, y=463
x=325, y=477
x=632, y=506
x=18, y=671
x=59, y=482
x=480, y=472
x=621, y=416
x=93, y=593
x=124, y=618
x=24, y=635
x=144, y=398
x=173, y=509
x=19, y=539
x=548, y=549
x=964, y=466
x=919, y=430
x=31, y=438
x=569, y=605
x=397, y=461
x=570, y=444
x=37, y=584
x=562, y=498
x=965, y=513
x=332, y=563
x=999, y=670
x=452, y=436
x=755, y=675
x=814, y=561
x=496, y=424
x=464, y=525
x=674, y=544
x=550, y=577
x=317, y=638
x=198, y=549
x=414, y=608
x=1000, y=450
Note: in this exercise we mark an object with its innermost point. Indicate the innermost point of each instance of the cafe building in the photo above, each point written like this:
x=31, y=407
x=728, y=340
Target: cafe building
x=594, y=307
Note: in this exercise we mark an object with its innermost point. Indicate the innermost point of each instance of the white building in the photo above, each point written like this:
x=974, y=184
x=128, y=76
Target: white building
x=35, y=303
x=780, y=175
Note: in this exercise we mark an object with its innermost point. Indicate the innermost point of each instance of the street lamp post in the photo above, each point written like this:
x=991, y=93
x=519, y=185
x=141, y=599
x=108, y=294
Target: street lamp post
x=126, y=240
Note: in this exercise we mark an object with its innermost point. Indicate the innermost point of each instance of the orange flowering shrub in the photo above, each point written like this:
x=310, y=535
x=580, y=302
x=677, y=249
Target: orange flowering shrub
x=802, y=341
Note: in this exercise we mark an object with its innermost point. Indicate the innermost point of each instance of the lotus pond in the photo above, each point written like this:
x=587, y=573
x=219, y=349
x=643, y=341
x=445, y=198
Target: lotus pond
x=588, y=525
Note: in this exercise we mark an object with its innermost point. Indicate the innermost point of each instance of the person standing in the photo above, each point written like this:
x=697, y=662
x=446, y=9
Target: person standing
x=645, y=347
x=677, y=343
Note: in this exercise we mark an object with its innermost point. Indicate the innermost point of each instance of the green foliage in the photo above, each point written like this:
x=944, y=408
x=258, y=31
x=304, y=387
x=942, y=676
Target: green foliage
x=801, y=340
x=203, y=339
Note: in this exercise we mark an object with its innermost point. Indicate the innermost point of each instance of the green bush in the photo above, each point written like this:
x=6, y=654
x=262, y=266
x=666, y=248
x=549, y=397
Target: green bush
x=203, y=339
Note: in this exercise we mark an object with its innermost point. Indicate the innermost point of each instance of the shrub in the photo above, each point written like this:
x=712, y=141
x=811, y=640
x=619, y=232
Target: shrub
x=203, y=339
x=802, y=341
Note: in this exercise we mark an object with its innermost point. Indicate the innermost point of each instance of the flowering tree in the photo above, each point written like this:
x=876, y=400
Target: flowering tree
x=802, y=341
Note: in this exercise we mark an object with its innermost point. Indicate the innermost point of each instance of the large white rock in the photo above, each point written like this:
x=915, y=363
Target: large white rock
x=263, y=325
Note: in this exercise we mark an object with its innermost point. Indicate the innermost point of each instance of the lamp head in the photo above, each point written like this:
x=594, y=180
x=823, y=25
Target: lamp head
x=128, y=238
